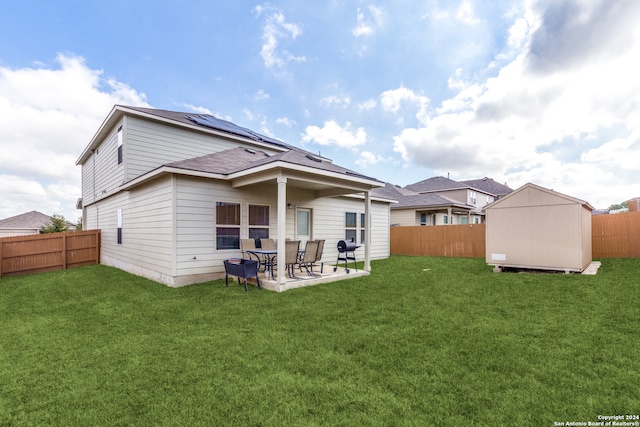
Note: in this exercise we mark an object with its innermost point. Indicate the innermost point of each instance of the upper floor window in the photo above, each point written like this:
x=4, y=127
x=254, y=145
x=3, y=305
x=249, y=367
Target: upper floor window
x=120, y=145
x=227, y=225
x=473, y=197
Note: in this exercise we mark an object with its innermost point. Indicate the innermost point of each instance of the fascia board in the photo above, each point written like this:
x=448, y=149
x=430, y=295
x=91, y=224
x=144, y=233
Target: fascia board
x=169, y=170
x=308, y=170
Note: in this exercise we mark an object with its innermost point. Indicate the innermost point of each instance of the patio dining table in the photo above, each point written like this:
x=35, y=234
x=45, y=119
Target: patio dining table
x=269, y=255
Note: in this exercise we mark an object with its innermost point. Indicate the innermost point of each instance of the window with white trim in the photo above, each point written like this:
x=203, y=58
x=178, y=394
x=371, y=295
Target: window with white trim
x=363, y=222
x=350, y=226
x=227, y=225
x=120, y=145
x=258, y=222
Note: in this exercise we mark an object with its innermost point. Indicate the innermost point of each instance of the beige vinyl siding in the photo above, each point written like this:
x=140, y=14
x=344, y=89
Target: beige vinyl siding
x=195, y=221
x=196, y=225
x=404, y=217
x=328, y=224
x=150, y=144
x=109, y=175
x=147, y=226
x=460, y=195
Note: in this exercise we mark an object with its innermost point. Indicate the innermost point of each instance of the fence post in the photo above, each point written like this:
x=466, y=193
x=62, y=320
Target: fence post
x=1, y=260
x=64, y=251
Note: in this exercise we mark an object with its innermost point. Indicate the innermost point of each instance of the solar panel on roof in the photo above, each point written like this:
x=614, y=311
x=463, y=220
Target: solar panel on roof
x=226, y=126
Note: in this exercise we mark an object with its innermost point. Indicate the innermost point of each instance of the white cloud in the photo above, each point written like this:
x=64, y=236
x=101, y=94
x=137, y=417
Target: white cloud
x=47, y=117
x=285, y=121
x=275, y=29
x=465, y=13
x=562, y=113
x=336, y=101
x=367, y=158
x=366, y=27
x=369, y=104
x=362, y=28
x=261, y=94
x=392, y=100
x=334, y=134
x=248, y=114
x=197, y=109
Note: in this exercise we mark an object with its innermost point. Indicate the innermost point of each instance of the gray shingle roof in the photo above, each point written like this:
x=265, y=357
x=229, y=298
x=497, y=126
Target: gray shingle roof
x=240, y=159
x=223, y=162
x=488, y=185
x=209, y=121
x=437, y=183
x=411, y=199
x=33, y=219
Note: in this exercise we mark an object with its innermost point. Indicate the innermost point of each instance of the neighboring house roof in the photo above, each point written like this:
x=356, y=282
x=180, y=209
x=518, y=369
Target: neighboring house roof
x=429, y=200
x=411, y=199
x=488, y=185
x=436, y=183
x=440, y=183
x=30, y=220
x=393, y=192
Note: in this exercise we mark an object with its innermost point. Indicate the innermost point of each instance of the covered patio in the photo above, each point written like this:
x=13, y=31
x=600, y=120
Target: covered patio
x=302, y=279
x=296, y=171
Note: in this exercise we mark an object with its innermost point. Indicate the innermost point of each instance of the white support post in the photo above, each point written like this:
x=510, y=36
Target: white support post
x=367, y=231
x=282, y=228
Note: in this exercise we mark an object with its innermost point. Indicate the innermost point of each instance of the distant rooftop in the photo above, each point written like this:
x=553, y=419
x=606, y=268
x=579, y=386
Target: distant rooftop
x=30, y=220
x=440, y=183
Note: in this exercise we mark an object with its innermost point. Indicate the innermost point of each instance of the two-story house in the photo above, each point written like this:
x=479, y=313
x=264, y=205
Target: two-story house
x=442, y=201
x=174, y=192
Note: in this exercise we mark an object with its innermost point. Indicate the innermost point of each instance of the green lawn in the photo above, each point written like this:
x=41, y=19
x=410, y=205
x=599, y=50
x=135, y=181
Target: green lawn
x=422, y=341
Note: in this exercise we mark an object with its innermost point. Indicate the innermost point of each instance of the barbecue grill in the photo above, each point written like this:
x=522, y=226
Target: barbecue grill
x=346, y=252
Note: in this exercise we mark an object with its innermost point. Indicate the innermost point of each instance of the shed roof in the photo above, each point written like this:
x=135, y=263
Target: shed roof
x=508, y=200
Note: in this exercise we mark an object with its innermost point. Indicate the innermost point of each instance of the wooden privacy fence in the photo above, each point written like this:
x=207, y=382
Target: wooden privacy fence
x=46, y=252
x=616, y=236
x=613, y=236
x=464, y=241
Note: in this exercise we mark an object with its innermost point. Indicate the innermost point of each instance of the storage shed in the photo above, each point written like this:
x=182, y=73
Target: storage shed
x=537, y=228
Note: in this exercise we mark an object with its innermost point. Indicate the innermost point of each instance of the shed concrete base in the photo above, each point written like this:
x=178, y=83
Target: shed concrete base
x=592, y=268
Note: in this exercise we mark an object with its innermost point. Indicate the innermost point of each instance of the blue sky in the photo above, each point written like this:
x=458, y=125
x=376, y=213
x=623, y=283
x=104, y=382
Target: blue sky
x=542, y=91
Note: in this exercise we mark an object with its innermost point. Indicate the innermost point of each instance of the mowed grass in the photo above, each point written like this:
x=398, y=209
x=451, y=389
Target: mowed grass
x=422, y=341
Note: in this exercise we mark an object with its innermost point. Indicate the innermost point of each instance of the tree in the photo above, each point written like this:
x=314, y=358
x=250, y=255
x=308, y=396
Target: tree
x=56, y=224
x=79, y=224
x=617, y=206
